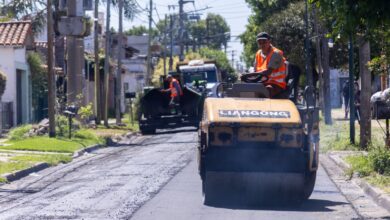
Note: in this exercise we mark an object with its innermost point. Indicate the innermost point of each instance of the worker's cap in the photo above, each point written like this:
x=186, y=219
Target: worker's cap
x=169, y=76
x=263, y=36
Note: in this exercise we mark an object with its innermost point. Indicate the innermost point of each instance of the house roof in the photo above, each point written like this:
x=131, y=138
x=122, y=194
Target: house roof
x=14, y=33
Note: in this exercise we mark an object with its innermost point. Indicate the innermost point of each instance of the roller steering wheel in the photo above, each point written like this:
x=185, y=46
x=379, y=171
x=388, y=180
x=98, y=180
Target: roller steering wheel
x=261, y=78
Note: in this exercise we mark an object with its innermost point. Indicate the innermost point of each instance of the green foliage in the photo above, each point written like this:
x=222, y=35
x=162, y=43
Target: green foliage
x=38, y=79
x=159, y=70
x=377, y=160
x=47, y=144
x=3, y=83
x=355, y=16
x=216, y=34
x=222, y=62
x=11, y=167
x=62, y=125
x=380, y=159
x=141, y=30
x=217, y=27
x=84, y=134
x=360, y=165
x=19, y=132
x=85, y=112
x=51, y=159
x=378, y=65
x=283, y=21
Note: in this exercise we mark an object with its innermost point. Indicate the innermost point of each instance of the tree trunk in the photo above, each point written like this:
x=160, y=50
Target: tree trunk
x=326, y=80
x=319, y=63
x=365, y=113
x=97, y=106
x=119, y=73
x=107, y=65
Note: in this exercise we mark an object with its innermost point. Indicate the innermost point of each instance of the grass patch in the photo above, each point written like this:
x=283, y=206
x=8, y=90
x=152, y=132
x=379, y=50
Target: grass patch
x=2, y=180
x=47, y=144
x=360, y=165
x=381, y=181
x=9, y=167
x=52, y=159
x=336, y=136
x=19, y=132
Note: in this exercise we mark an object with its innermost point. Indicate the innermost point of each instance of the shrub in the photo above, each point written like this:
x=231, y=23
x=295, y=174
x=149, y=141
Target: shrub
x=19, y=132
x=62, y=127
x=3, y=82
x=85, y=112
x=380, y=159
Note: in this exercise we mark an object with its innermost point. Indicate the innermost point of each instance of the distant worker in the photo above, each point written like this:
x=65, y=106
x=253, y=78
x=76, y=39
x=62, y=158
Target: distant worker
x=356, y=90
x=345, y=92
x=176, y=93
x=269, y=62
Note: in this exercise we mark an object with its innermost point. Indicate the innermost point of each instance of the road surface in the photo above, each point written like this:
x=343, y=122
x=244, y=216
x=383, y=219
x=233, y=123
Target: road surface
x=149, y=177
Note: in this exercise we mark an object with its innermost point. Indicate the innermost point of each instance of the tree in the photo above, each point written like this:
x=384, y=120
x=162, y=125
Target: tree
x=220, y=58
x=3, y=83
x=222, y=61
x=265, y=10
x=141, y=30
x=217, y=31
x=39, y=83
x=358, y=19
x=287, y=30
x=215, y=35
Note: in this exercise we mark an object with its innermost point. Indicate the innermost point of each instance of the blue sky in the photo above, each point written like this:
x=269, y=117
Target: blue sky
x=235, y=12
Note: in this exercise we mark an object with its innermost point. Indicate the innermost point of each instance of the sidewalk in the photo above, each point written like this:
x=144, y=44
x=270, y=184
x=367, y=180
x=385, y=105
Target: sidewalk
x=380, y=197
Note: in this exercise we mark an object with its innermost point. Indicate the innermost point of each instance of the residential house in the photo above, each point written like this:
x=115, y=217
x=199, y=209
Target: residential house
x=137, y=65
x=16, y=39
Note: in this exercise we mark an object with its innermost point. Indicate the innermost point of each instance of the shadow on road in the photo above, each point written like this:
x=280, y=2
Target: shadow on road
x=311, y=205
x=174, y=131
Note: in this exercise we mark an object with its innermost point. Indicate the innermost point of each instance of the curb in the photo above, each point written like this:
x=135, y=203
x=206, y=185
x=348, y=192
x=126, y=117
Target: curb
x=375, y=193
x=87, y=149
x=22, y=173
x=41, y=166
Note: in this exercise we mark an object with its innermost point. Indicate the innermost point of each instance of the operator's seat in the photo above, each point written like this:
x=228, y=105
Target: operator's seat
x=292, y=80
x=248, y=90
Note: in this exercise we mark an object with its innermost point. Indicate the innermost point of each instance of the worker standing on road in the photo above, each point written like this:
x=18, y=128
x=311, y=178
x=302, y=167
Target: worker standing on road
x=176, y=93
x=269, y=62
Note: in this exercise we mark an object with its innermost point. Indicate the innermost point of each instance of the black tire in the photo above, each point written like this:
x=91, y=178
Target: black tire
x=148, y=131
x=208, y=192
x=310, y=180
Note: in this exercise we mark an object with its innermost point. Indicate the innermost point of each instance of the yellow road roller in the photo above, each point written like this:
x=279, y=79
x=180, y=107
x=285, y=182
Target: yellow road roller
x=257, y=148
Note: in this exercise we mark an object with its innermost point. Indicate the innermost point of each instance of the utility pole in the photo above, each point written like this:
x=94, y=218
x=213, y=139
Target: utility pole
x=309, y=89
x=165, y=45
x=207, y=31
x=98, y=112
x=51, y=84
x=351, y=93
x=171, y=38
x=181, y=27
x=119, y=72
x=233, y=53
x=148, y=63
x=75, y=55
x=107, y=64
x=326, y=82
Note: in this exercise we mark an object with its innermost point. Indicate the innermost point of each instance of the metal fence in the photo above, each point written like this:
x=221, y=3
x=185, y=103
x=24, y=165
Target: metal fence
x=7, y=114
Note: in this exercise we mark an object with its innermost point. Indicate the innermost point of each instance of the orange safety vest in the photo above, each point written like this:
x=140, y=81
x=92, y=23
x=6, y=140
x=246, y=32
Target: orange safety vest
x=278, y=76
x=173, y=89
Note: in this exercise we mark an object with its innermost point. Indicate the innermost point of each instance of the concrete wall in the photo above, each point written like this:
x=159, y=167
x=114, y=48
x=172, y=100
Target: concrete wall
x=12, y=59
